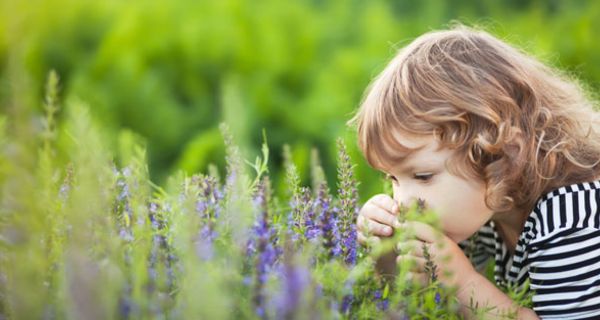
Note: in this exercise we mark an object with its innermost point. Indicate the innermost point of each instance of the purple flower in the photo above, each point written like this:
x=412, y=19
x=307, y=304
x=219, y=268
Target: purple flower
x=126, y=234
x=295, y=281
x=233, y=160
x=347, y=301
x=208, y=207
x=301, y=214
x=127, y=307
x=348, y=196
x=328, y=224
x=382, y=304
x=122, y=207
x=160, y=250
x=203, y=244
x=349, y=244
x=65, y=187
x=263, y=245
x=438, y=298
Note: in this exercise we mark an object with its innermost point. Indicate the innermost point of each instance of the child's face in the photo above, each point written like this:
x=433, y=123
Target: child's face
x=458, y=202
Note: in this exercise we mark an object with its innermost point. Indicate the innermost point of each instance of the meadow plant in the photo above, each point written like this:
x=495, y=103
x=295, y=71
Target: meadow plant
x=85, y=234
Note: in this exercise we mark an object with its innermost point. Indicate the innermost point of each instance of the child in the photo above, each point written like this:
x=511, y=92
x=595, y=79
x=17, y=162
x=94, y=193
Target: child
x=503, y=149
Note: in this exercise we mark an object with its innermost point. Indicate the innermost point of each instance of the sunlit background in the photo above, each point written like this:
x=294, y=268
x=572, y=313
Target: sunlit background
x=144, y=88
x=168, y=72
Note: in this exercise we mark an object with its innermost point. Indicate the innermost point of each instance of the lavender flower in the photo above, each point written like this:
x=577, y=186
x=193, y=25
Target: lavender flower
x=67, y=184
x=296, y=279
x=122, y=206
x=126, y=304
x=301, y=215
x=263, y=245
x=293, y=182
x=157, y=225
x=204, y=243
x=438, y=298
x=348, y=196
x=430, y=267
x=160, y=250
x=381, y=303
x=208, y=207
x=329, y=225
x=347, y=301
x=233, y=160
x=431, y=270
x=311, y=225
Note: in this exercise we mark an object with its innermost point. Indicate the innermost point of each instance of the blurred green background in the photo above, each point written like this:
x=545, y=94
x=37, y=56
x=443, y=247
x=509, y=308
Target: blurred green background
x=170, y=71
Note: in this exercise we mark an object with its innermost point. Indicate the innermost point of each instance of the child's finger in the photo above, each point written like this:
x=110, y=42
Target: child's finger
x=414, y=247
x=373, y=240
x=360, y=224
x=380, y=215
x=378, y=229
x=386, y=203
x=367, y=227
x=417, y=264
x=417, y=277
x=361, y=238
x=364, y=240
x=422, y=231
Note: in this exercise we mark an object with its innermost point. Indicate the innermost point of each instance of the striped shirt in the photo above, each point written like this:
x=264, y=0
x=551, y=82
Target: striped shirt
x=558, y=251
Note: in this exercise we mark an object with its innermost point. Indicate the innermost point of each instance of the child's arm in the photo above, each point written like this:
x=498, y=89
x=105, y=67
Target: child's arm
x=479, y=291
x=456, y=270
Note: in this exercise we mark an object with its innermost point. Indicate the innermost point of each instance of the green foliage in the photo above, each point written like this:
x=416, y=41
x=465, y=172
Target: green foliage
x=170, y=71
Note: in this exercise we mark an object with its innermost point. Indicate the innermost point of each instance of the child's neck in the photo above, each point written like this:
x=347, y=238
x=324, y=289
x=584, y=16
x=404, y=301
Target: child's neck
x=509, y=226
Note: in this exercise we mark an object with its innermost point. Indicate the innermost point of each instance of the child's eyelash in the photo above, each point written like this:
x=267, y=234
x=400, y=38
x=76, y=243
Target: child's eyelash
x=423, y=176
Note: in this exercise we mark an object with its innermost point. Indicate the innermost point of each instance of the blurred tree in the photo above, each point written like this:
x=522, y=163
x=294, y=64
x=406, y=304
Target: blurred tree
x=170, y=71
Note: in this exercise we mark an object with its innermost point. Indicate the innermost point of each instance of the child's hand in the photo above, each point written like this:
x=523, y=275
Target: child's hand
x=452, y=267
x=377, y=218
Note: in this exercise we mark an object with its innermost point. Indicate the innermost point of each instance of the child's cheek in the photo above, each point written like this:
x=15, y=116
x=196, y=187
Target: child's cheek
x=459, y=220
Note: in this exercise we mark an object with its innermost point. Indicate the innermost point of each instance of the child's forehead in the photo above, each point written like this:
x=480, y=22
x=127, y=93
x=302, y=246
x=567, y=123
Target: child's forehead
x=412, y=143
x=404, y=148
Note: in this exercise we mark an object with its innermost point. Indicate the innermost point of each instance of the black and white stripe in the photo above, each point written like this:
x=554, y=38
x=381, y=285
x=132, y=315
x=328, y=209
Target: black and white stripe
x=558, y=251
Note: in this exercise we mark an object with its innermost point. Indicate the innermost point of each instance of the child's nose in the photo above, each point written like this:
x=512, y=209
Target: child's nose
x=404, y=196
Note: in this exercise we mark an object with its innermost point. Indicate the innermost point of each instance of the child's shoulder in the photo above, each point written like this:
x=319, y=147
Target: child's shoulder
x=565, y=210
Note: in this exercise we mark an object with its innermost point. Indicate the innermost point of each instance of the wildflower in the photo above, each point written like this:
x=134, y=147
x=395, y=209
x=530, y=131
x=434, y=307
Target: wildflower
x=127, y=307
x=328, y=224
x=421, y=205
x=349, y=245
x=208, y=207
x=300, y=214
x=160, y=245
x=294, y=189
x=233, y=160
x=65, y=187
x=348, y=196
x=381, y=302
x=311, y=226
x=122, y=205
x=347, y=301
x=430, y=267
x=263, y=245
x=296, y=279
x=431, y=270
x=203, y=244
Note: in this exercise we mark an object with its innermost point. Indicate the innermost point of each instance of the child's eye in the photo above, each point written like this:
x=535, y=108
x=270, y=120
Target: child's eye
x=423, y=176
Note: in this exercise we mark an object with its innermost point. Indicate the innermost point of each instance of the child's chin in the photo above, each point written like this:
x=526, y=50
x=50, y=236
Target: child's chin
x=457, y=237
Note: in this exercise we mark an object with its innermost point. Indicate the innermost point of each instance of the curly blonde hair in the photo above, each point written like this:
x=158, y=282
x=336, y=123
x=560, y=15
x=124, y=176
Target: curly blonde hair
x=518, y=125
